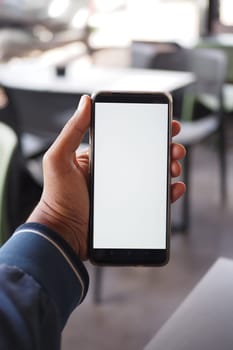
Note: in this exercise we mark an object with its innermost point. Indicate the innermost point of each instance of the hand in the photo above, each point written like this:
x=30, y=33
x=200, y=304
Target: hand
x=64, y=204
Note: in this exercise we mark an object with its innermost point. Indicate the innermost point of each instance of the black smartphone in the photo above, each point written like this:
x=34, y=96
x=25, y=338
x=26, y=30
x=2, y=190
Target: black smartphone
x=130, y=139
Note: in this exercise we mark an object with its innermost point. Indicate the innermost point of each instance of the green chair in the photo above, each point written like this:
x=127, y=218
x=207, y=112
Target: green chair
x=223, y=42
x=209, y=67
x=8, y=143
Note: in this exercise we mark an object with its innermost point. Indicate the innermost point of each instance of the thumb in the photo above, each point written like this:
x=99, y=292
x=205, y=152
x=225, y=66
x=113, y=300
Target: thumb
x=71, y=136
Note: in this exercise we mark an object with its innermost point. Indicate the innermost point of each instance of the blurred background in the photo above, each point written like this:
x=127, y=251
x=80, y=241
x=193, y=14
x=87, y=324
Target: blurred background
x=53, y=51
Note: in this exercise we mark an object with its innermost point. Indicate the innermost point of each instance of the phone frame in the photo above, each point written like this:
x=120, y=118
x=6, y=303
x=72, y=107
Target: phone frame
x=129, y=257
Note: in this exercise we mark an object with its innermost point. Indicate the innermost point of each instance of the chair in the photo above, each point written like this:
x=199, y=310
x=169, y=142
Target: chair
x=37, y=117
x=8, y=144
x=209, y=67
x=146, y=54
x=223, y=42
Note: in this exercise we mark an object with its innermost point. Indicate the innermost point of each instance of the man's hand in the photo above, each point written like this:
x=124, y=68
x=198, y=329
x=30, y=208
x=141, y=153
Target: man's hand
x=64, y=204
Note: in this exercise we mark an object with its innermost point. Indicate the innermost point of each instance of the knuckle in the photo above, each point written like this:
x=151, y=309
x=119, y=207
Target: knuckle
x=48, y=158
x=45, y=158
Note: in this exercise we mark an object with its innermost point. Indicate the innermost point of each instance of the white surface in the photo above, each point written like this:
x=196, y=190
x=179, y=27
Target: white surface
x=205, y=319
x=36, y=75
x=130, y=190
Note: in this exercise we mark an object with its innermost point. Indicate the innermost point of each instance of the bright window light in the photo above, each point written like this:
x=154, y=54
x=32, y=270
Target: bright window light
x=226, y=10
x=106, y=5
x=80, y=18
x=170, y=20
x=58, y=7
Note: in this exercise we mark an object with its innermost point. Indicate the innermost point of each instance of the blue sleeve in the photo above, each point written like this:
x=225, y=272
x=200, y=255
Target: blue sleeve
x=41, y=282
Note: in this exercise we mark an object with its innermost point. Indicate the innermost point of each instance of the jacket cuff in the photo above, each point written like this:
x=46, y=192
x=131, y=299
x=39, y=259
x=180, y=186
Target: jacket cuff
x=44, y=255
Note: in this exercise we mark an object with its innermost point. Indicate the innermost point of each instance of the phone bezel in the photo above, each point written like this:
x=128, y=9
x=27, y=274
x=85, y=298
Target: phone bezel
x=129, y=257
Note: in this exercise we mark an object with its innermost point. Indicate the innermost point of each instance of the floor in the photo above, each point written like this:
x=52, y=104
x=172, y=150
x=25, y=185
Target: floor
x=137, y=301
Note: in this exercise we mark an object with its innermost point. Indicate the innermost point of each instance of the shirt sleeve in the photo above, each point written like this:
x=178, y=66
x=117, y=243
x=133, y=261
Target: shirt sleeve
x=42, y=280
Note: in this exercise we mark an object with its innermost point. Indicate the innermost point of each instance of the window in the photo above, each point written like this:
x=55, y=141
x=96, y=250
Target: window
x=156, y=20
x=166, y=20
x=226, y=12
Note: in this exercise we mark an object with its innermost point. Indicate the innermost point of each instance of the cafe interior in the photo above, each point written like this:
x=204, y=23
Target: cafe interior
x=51, y=53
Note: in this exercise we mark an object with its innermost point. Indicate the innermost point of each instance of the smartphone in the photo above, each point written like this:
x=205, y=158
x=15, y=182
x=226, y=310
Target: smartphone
x=130, y=139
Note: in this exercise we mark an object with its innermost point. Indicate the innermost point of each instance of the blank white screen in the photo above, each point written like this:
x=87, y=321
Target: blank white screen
x=130, y=175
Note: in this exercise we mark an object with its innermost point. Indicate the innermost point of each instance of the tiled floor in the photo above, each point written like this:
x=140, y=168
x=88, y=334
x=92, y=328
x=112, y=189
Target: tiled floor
x=137, y=301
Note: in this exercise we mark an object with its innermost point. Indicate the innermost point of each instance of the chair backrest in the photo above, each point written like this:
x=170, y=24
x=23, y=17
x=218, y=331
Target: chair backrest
x=8, y=143
x=210, y=68
x=157, y=55
x=176, y=60
x=41, y=113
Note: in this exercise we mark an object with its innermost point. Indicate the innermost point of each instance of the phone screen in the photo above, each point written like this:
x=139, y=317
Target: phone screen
x=130, y=190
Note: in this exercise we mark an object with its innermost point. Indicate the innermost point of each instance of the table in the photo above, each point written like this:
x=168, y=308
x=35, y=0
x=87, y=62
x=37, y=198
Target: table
x=32, y=76
x=204, y=320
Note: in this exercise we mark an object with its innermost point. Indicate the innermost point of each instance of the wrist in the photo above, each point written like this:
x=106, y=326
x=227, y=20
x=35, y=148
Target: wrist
x=46, y=216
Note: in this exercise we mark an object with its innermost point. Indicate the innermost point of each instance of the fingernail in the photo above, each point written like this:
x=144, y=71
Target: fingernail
x=82, y=102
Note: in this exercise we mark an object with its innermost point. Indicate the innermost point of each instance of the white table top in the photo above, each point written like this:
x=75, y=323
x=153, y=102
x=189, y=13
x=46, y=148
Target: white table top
x=205, y=319
x=32, y=76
